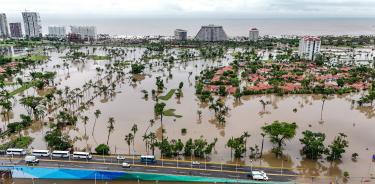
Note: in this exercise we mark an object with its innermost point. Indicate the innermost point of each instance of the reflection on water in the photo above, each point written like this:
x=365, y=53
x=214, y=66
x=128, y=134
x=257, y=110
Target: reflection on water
x=128, y=106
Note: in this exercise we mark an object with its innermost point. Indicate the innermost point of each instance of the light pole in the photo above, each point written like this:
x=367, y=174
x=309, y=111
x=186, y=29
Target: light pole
x=251, y=165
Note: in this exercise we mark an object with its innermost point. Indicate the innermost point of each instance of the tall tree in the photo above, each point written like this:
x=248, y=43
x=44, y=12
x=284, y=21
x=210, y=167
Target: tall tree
x=337, y=147
x=313, y=144
x=110, y=127
x=97, y=114
x=278, y=133
x=159, y=110
x=129, y=139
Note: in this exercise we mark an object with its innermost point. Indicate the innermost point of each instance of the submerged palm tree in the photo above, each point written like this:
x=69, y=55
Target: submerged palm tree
x=111, y=122
x=85, y=120
x=97, y=114
x=134, y=130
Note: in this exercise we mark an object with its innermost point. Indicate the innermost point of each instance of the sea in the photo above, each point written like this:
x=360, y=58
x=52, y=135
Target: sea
x=233, y=27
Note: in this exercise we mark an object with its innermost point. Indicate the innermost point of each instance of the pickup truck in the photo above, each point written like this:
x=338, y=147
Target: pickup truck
x=31, y=160
x=258, y=175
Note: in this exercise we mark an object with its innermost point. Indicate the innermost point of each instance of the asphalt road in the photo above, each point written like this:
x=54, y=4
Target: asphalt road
x=231, y=171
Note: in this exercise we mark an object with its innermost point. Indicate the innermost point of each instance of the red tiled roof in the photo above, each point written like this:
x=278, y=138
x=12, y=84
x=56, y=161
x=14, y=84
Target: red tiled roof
x=291, y=86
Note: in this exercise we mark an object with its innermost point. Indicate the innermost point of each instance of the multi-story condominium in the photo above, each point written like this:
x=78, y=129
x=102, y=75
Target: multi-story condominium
x=309, y=46
x=211, y=33
x=253, y=34
x=180, y=34
x=85, y=32
x=32, y=23
x=4, y=31
x=15, y=30
x=57, y=31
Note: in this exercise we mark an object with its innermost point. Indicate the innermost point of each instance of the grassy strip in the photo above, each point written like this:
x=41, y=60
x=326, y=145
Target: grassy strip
x=96, y=57
x=24, y=87
x=168, y=95
x=171, y=112
x=20, y=142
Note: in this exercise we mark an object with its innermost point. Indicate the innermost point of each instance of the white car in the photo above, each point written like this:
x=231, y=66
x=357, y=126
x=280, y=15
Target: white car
x=119, y=157
x=195, y=163
x=125, y=165
x=31, y=160
x=258, y=175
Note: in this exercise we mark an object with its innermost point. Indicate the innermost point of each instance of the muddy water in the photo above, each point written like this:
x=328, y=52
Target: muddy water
x=128, y=107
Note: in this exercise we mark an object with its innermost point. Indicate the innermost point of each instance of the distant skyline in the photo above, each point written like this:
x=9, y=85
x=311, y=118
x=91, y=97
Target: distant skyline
x=192, y=8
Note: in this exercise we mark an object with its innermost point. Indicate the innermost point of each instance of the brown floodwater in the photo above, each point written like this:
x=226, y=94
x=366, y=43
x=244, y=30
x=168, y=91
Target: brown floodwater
x=128, y=107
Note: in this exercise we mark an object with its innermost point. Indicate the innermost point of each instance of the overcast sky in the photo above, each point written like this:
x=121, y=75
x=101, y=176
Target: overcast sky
x=193, y=8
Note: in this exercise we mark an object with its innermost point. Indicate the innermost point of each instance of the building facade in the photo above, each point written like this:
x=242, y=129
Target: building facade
x=253, y=34
x=57, y=31
x=211, y=33
x=15, y=30
x=86, y=32
x=309, y=46
x=4, y=31
x=180, y=34
x=32, y=23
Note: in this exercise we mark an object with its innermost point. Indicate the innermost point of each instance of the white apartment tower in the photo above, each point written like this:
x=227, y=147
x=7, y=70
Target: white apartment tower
x=57, y=31
x=180, y=34
x=32, y=23
x=253, y=34
x=309, y=46
x=211, y=33
x=86, y=32
x=4, y=31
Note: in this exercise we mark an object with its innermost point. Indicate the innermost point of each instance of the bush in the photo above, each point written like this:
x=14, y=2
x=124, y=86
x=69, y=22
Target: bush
x=102, y=149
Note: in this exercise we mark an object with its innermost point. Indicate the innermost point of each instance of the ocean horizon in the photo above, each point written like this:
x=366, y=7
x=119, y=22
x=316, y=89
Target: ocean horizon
x=232, y=26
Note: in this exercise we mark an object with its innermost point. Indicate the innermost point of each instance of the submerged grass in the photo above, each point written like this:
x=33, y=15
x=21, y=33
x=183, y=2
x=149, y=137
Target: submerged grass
x=168, y=95
x=171, y=112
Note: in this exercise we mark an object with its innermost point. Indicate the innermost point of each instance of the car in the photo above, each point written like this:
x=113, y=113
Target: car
x=195, y=163
x=258, y=175
x=31, y=160
x=119, y=157
x=125, y=165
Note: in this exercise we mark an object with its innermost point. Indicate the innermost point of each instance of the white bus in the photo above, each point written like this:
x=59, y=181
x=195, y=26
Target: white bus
x=41, y=153
x=82, y=155
x=60, y=154
x=16, y=151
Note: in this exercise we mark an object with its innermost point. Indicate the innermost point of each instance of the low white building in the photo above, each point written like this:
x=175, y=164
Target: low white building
x=86, y=32
x=309, y=46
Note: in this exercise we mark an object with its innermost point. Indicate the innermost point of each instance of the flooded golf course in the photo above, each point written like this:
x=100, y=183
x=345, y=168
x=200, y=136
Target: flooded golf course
x=128, y=106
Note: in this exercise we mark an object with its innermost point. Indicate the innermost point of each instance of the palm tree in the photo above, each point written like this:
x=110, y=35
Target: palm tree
x=129, y=138
x=246, y=135
x=134, y=130
x=97, y=114
x=324, y=98
x=85, y=120
x=152, y=138
x=159, y=109
x=261, y=149
x=110, y=127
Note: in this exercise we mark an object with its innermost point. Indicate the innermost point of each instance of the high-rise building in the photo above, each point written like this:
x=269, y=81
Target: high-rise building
x=4, y=31
x=32, y=23
x=253, y=34
x=86, y=32
x=180, y=34
x=15, y=30
x=211, y=33
x=309, y=46
x=57, y=31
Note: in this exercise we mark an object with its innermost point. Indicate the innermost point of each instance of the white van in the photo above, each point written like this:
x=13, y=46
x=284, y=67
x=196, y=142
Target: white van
x=31, y=159
x=82, y=155
x=60, y=154
x=16, y=151
x=41, y=153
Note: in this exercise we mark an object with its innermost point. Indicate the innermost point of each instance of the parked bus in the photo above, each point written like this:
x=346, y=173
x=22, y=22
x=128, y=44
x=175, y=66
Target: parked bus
x=148, y=159
x=16, y=151
x=82, y=155
x=41, y=153
x=60, y=154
